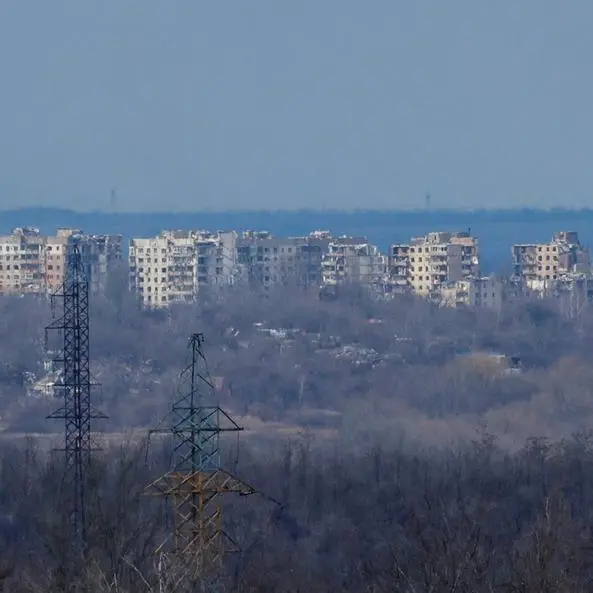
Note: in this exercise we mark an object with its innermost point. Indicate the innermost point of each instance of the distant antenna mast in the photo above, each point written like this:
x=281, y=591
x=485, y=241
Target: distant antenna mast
x=113, y=200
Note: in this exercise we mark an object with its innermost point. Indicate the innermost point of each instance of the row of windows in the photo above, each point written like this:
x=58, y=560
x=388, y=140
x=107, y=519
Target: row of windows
x=17, y=266
x=148, y=299
x=442, y=248
x=427, y=269
x=148, y=261
x=421, y=259
x=34, y=247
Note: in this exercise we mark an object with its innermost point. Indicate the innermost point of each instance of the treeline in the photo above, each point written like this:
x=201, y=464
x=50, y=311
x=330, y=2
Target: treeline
x=324, y=365
x=361, y=519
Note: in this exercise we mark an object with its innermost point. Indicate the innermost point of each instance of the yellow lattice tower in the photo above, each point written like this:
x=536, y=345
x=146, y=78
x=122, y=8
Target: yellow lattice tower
x=196, y=482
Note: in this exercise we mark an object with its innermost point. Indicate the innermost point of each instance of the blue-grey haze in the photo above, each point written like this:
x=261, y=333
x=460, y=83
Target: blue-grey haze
x=193, y=105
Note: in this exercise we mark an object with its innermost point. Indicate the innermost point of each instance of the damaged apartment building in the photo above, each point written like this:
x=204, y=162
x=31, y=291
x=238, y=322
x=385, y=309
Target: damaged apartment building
x=265, y=261
x=353, y=260
x=176, y=265
x=444, y=267
x=33, y=263
x=559, y=269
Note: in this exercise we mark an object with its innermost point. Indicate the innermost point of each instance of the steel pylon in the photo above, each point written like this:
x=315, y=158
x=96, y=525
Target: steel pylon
x=196, y=481
x=75, y=389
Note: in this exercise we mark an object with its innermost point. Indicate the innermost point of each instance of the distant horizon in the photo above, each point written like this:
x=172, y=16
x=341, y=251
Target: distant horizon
x=370, y=210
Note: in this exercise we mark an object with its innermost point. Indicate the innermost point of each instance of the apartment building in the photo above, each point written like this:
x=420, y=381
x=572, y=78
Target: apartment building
x=31, y=262
x=216, y=259
x=34, y=263
x=149, y=270
x=10, y=262
x=485, y=292
x=175, y=265
x=55, y=256
x=572, y=291
x=535, y=263
x=425, y=264
x=265, y=261
x=353, y=260
x=101, y=255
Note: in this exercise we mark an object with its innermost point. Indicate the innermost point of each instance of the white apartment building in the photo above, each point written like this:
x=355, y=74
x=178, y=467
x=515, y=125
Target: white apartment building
x=352, y=260
x=174, y=266
x=27, y=262
x=427, y=263
x=10, y=260
x=485, y=292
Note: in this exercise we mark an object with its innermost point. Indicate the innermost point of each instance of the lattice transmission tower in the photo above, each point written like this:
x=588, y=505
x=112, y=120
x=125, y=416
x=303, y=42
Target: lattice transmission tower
x=75, y=388
x=196, y=482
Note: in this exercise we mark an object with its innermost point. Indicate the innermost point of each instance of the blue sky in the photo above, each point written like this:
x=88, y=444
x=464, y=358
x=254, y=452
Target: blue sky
x=277, y=104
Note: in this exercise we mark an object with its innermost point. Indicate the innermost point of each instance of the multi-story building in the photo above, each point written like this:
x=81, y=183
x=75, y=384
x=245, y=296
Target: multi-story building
x=101, y=255
x=23, y=262
x=426, y=263
x=10, y=263
x=485, y=292
x=34, y=263
x=55, y=256
x=174, y=266
x=353, y=260
x=572, y=291
x=537, y=262
x=149, y=270
x=264, y=260
x=216, y=259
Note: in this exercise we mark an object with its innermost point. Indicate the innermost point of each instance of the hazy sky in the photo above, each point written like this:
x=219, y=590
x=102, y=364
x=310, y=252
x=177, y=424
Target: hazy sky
x=309, y=103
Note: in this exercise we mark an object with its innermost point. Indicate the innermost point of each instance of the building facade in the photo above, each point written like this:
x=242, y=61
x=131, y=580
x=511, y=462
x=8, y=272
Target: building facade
x=101, y=255
x=426, y=264
x=537, y=262
x=175, y=265
x=32, y=263
x=485, y=292
x=265, y=261
x=353, y=260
